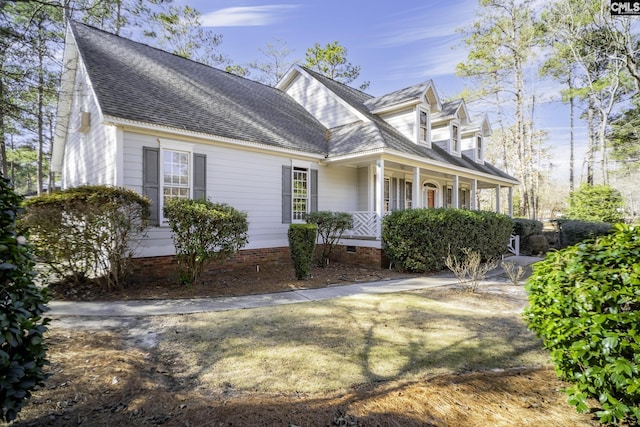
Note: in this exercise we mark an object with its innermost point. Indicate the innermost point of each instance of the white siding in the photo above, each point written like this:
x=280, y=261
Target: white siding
x=89, y=156
x=469, y=142
x=320, y=102
x=247, y=180
x=441, y=133
x=404, y=121
x=338, y=189
x=364, y=179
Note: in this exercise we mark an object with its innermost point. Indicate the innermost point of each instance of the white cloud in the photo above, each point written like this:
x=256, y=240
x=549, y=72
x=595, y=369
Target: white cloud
x=250, y=16
x=432, y=21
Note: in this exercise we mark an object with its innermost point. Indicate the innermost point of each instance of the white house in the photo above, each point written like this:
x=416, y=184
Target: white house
x=134, y=116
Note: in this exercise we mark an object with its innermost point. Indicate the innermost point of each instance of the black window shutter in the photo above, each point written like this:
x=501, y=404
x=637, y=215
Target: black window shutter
x=314, y=190
x=286, y=195
x=151, y=181
x=402, y=193
x=199, y=176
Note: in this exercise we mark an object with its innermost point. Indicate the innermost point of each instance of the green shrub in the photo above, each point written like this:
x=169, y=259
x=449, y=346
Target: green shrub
x=596, y=203
x=302, y=244
x=22, y=303
x=204, y=231
x=421, y=239
x=584, y=302
x=532, y=242
x=88, y=231
x=331, y=226
x=573, y=232
x=526, y=227
x=534, y=245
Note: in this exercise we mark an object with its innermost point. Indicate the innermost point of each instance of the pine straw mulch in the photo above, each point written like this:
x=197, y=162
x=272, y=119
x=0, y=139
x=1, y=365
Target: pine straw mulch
x=225, y=283
x=97, y=379
x=100, y=378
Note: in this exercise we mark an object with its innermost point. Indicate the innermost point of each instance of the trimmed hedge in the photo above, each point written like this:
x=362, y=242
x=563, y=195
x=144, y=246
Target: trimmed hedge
x=584, y=302
x=203, y=232
x=573, y=231
x=532, y=241
x=302, y=244
x=419, y=240
x=526, y=227
x=88, y=231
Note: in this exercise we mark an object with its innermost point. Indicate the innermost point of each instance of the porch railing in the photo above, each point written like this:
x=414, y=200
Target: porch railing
x=366, y=225
x=514, y=245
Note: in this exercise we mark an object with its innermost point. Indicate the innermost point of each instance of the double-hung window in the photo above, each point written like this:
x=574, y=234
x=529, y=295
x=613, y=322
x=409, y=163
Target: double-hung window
x=176, y=168
x=455, y=139
x=172, y=170
x=424, y=127
x=300, y=193
x=408, y=195
x=479, y=148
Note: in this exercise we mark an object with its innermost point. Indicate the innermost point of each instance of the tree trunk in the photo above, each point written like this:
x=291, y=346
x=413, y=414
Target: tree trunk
x=592, y=141
x=571, y=134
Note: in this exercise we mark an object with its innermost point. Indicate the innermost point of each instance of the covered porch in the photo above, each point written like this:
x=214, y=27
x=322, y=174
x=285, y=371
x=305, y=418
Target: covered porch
x=386, y=184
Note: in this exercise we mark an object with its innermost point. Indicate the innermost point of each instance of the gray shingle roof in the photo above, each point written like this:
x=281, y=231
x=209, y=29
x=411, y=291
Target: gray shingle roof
x=448, y=109
x=361, y=136
x=411, y=93
x=137, y=82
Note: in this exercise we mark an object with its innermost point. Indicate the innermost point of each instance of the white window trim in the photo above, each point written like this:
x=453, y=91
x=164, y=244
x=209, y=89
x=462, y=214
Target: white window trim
x=408, y=197
x=170, y=145
x=419, y=110
x=479, y=152
x=300, y=165
x=453, y=138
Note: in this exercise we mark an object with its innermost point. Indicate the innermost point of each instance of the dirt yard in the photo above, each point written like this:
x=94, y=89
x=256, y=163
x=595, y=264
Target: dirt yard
x=100, y=376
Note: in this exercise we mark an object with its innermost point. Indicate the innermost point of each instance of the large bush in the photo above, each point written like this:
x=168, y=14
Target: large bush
x=584, y=302
x=421, y=239
x=22, y=303
x=302, y=244
x=204, y=231
x=87, y=231
x=573, y=231
x=596, y=203
x=331, y=226
x=532, y=241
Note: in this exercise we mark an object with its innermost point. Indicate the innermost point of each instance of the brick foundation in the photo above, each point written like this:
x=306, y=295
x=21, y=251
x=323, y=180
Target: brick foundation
x=164, y=268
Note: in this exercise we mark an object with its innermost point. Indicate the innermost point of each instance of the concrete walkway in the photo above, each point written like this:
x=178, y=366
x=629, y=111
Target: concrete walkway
x=137, y=308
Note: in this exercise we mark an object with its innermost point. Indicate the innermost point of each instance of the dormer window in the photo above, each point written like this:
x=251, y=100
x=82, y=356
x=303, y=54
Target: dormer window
x=424, y=126
x=455, y=139
x=479, y=148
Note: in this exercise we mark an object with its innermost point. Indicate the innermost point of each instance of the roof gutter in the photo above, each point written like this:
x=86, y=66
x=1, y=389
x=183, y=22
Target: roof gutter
x=133, y=124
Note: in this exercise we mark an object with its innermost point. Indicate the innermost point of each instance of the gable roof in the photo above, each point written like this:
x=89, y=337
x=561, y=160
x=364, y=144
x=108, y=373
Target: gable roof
x=410, y=95
x=479, y=124
x=451, y=110
x=377, y=134
x=137, y=82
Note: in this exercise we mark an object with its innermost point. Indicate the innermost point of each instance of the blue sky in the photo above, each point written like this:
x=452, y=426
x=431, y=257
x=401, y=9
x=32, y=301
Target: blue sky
x=396, y=43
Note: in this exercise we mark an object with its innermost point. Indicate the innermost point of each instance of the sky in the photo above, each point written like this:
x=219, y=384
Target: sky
x=396, y=43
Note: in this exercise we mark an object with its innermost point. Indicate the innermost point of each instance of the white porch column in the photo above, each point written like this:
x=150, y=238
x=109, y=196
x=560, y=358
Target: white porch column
x=474, y=195
x=415, y=194
x=498, y=208
x=510, y=201
x=455, y=191
x=379, y=207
